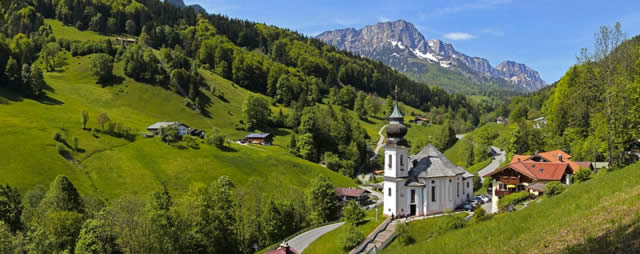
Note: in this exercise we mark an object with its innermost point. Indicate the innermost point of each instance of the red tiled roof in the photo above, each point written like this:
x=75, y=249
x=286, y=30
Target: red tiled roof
x=282, y=250
x=349, y=192
x=517, y=158
x=538, y=171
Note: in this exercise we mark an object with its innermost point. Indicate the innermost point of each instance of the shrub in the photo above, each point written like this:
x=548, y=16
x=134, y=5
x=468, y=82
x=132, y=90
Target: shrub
x=352, y=237
x=480, y=215
x=402, y=231
x=554, y=188
x=353, y=213
x=452, y=222
x=332, y=161
x=216, y=140
x=190, y=141
x=512, y=199
x=583, y=175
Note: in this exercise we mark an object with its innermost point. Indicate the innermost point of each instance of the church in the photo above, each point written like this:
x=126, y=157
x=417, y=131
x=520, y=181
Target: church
x=422, y=184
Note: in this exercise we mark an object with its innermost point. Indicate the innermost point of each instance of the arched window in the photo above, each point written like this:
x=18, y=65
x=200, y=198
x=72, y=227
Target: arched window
x=401, y=160
x=390, y=159
x=389, y=192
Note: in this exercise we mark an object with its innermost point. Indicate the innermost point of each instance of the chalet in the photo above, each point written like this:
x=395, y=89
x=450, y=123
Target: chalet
x=553, y=156
x=284, y=248
x=500, y=120
x=260, y=138
x=125, y=41
x=528, y=175
x=183, y=129
x=420, y=120
x=196, y=133
x=344, y=195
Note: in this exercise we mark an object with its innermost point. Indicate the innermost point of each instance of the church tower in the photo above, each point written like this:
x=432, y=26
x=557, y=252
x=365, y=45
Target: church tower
x=396, y=160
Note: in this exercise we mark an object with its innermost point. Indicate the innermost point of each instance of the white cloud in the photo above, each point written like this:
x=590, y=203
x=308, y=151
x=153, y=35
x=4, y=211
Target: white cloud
x=383, y=19
x=458, y=36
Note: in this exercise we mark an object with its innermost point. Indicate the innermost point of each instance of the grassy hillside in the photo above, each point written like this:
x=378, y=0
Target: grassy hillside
x=69, y=32
x=112, y=166
x=332, y=241
x=610, y=203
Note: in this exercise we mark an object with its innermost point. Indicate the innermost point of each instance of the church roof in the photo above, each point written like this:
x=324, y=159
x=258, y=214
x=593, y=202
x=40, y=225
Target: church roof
x=432, y=163
x=396, y=114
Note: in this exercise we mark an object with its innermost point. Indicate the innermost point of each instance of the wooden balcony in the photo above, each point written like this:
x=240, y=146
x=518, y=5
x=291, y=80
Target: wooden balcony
x=510, y=179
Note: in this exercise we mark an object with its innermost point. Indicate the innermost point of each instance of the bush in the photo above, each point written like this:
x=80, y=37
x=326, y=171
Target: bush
x=190, y=141
x=480, y=215
x=583, y=175
x=353, y=213
x=554, y=188
x=452, y=222
x=216, y=140
x=352, y=237
x=512, y=199
x=332, y=161
x=402, y=231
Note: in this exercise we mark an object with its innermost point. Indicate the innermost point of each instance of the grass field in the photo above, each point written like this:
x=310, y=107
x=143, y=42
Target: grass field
x=610, y=203
x=331, y=242
x=112, y=166
x=62, y=31
x=422, y=230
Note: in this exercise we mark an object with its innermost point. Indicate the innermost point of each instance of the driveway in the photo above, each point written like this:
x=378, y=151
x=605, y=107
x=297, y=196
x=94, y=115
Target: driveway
x=303, y=240
x=495, y=163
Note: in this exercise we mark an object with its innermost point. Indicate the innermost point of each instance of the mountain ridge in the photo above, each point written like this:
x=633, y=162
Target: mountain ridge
x=400, y=45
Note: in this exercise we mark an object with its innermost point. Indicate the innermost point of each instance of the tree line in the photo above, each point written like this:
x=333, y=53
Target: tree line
x=214, y=218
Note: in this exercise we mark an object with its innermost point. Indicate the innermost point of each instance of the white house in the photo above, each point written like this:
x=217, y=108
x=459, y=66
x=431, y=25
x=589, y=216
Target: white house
x=422, y=184
x=182, y=129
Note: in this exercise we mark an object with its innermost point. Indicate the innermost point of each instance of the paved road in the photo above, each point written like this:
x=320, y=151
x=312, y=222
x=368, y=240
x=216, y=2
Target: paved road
x=495, y=163
x=303, y=240
x=380, y=143
x=460, y=136
x=379, y=195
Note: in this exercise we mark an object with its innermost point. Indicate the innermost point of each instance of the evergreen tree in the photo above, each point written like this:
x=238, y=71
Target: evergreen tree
x=10, y=207
x=62, y=196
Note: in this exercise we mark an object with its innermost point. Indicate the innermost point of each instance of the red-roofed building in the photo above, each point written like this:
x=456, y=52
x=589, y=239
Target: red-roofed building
x=344, y=195
x=518, y=176
x=283, y=249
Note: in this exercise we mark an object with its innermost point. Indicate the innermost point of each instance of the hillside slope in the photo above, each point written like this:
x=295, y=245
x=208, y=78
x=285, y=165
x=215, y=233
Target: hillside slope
x=609, y=203
x=111, y=166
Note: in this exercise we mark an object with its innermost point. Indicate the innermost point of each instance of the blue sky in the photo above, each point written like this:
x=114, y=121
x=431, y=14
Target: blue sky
x=544, y=34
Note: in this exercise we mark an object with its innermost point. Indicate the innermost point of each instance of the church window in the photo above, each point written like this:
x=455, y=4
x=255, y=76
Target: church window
x=389, y=192
x=458, y=189
x=401, y=159
x=467, y=184
x=433, y=193
x=390, y=159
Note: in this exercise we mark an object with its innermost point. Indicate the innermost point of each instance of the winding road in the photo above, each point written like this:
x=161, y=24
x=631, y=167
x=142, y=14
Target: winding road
x=302, y=241
x=495, y=162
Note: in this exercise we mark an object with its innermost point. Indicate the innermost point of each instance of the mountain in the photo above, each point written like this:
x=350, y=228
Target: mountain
x=400, y=45
x=181, y=4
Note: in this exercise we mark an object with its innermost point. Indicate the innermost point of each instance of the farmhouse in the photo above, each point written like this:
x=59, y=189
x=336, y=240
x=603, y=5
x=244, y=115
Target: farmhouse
x=125, y=41
x=420, y=120
x=425, y=183
x=260, y=138
x=283, y=249
x=500, y=120
x=344, y=195
x=532, y=172
x=183, y=129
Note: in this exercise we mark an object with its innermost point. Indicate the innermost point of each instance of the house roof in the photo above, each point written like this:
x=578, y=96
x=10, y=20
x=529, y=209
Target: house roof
x=258, y=135
x=283, y=249
x=159, y=125
x=517, y=158
x=538, y=171
x=349, y=192
x=537, y=187
x=553, y=156
x=432, y=163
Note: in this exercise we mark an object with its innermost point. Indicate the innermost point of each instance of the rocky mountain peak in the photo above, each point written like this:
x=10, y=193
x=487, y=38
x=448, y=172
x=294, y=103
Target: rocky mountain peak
x=400, y=45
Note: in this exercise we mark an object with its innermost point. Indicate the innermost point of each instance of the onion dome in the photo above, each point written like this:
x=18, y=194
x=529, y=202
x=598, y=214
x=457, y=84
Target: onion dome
x=396, y=130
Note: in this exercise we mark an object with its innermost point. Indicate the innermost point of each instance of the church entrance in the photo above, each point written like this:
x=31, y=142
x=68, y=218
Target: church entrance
x=412, y=210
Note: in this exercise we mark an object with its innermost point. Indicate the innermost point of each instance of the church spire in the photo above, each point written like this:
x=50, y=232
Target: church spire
x=396, y=115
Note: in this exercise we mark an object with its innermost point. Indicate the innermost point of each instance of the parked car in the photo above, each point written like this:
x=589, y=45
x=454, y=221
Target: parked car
x=485, y=198
x=467, y=207
x=473, y=202
x=478, y=199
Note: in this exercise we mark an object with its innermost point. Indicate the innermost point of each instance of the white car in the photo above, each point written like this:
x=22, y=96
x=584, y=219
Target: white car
x=485, y=198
